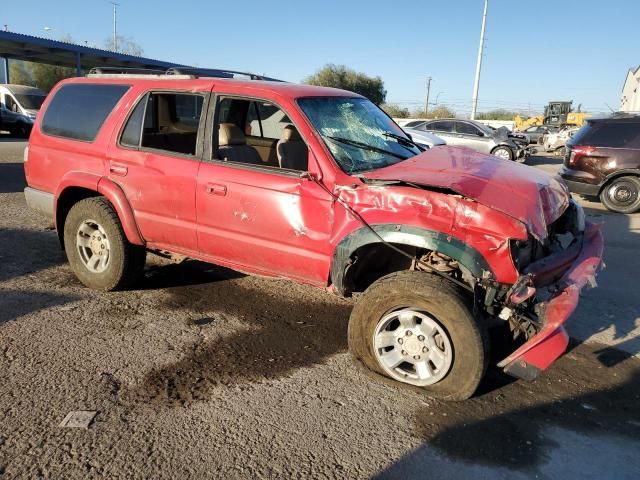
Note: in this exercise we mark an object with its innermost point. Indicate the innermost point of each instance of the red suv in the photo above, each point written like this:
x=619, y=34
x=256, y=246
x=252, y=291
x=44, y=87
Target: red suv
x=319, y=186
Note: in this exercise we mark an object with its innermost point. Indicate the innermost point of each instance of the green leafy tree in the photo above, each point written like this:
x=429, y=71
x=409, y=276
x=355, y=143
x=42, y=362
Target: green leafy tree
x=19, y=74
x=395, y=111
x=46, y=76
x=339, y=76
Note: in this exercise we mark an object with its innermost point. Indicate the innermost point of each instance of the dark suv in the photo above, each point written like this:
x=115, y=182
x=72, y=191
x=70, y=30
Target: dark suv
x=603, y=159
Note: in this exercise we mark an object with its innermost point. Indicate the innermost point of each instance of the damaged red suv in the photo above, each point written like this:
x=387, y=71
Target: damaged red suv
x=319, y=186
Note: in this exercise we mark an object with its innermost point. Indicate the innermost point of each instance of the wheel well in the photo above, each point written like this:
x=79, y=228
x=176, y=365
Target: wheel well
x=373, y=261
x=68, y=198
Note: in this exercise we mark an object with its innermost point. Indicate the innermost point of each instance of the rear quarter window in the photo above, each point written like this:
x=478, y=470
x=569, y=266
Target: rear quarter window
x=609, y=134
x=78, y=111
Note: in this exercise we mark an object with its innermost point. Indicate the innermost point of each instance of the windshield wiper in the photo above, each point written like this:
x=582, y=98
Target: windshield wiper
x=364, y=146
x=401, y=140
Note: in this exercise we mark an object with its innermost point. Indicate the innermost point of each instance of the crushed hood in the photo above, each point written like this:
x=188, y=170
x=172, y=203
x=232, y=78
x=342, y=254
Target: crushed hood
x=524, y=193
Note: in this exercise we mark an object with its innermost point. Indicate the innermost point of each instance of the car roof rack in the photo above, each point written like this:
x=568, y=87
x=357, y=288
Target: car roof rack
x=174, y=72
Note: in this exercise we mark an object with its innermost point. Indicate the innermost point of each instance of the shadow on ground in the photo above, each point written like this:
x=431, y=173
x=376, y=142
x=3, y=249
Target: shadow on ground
x=27, y=251
x=281, y=333
x=12, y=176
x=519, y=427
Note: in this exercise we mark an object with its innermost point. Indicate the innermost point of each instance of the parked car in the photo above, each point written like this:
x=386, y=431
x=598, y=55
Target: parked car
x=555, y=141
x=413, y=123
x=19, y=105
x=479, y=137
x=424, y=139
x=442, y=245
x=603, y=159
x=535, y=133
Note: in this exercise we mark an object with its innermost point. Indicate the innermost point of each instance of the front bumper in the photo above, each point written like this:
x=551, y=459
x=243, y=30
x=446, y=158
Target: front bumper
x=551, y=341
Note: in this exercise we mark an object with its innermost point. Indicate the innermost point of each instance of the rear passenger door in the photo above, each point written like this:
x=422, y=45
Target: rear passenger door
x=443, y=129
x=155, y=161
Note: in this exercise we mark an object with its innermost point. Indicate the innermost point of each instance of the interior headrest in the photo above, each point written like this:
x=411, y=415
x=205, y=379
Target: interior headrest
x=290, y=134
x=229, y=134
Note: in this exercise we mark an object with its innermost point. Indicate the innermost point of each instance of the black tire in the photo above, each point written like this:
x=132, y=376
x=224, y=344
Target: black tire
x=126, y=261
x=622, y=194
x=502, y=149
x=443, y=301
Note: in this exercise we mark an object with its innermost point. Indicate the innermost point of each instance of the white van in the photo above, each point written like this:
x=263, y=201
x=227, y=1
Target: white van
x=19, y=106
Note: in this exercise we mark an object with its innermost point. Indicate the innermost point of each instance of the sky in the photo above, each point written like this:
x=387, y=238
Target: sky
x=535, y=51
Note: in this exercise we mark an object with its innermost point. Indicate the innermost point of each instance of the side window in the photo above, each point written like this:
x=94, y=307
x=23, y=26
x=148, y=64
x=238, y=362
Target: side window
x=466, y=128
x=165, y=121
x=78, y=111
x=133, y=130
x=11, y=103
x=259, y=133
x=443, y=126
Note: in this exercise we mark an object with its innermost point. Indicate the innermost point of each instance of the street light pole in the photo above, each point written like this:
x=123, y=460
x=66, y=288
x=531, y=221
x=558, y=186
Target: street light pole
x=426, y=106
x=115, y=23
x=476, y=83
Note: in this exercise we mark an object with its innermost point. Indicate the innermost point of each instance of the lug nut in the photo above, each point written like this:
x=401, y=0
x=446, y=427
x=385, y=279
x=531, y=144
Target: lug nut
x=421, y=338
x=403, y=352
x=416, y=357
x=409, y=333
x=425, y=349
x=400, y=341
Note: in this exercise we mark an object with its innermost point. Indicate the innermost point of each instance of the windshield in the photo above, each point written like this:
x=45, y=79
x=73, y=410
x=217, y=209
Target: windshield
x=359, y=135
x=30, y=102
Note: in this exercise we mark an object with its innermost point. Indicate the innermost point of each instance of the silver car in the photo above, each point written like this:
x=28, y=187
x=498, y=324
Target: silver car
x=424, y=139
x=477, y=136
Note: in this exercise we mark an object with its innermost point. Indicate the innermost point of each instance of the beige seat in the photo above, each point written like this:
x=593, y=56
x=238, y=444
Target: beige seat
x=292, y=151
x=232, y=146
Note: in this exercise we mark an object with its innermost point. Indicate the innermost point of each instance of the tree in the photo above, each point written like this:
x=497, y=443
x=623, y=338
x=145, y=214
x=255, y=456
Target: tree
x=339, y=76
x=126, y=45
x=395, y=111
x=497, y=114
x=45, y=76
x=441, y=111
x=19, y=73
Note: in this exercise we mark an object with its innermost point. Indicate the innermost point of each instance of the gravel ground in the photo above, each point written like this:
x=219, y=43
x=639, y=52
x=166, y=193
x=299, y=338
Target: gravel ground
x=202, y=372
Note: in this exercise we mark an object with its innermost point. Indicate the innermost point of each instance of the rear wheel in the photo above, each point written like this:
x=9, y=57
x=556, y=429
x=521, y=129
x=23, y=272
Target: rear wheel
x=622, y=194
x=503, y=153
x=418, y=329
x=97, y=249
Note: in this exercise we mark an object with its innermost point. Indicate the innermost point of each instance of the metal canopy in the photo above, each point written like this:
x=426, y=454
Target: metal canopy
x=18, y=46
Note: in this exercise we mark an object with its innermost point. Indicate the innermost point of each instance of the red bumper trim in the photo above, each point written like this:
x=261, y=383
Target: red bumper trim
x=552, y=340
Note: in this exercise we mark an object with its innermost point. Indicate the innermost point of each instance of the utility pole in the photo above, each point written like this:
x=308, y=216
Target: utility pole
x=426, y=106
x=476, y=83
x=115, y=23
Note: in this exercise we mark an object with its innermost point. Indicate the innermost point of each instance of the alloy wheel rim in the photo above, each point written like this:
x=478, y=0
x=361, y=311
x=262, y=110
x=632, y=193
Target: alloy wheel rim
x=503, y=154
x=93, y=246
x=412, y=347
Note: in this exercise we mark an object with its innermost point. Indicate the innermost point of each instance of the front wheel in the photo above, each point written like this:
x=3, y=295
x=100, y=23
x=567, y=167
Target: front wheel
x=503, y=153
x=418, y=329
x=97, y=249
x=622, y=195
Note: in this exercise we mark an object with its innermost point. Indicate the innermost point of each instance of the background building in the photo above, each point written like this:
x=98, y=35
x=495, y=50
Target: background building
x=630, y=99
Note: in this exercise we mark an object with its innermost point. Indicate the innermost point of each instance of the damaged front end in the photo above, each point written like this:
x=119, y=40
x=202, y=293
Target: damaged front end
x=552, y=274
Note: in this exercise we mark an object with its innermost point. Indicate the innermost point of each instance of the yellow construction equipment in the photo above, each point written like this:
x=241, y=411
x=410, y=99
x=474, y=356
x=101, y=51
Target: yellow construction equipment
x=555, y=114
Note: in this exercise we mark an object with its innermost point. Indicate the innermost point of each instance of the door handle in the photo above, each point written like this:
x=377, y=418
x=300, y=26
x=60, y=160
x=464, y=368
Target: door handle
x=118, y=169
x=216, y=189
